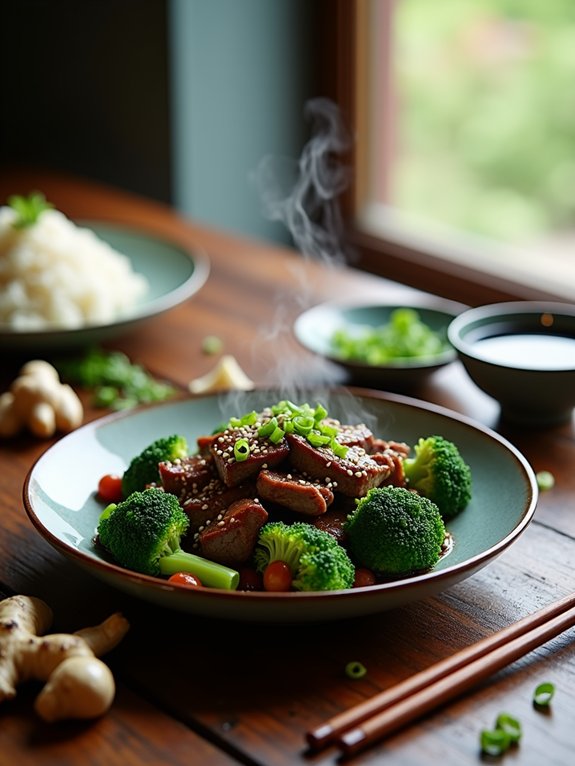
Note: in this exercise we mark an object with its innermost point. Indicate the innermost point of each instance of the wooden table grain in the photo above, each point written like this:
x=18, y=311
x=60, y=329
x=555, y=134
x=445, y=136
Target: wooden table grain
x=198, y=691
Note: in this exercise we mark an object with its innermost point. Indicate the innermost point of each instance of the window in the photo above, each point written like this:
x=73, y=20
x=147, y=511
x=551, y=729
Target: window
x=464, y=119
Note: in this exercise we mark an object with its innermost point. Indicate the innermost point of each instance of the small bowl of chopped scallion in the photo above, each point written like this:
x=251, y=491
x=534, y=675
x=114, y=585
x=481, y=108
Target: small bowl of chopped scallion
x=389, y=346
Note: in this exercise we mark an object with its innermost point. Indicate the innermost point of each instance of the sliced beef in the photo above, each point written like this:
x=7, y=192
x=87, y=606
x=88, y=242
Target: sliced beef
x=212, y=502
x=382, y=445
x=394, y=462
x=187, y=476
x=352, y=475
x=355, y=436
x=333, y=521
x=293, y=491
x=391, y=454
x=204, y=443
x=232, y=539
x=262, y=454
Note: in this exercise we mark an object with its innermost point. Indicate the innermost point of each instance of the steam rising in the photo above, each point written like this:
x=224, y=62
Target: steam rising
x=304, y=195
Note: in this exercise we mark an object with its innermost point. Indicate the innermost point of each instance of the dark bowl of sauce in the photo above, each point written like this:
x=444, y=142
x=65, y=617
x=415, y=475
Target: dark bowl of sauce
x=523, y=355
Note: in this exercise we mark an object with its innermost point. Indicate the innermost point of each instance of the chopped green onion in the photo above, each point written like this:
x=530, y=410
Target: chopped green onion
x=249, y=419
x=246, y=420
x=494, y=741
x=545, y=480
x=211, y=344
x=320, y=413
x=318, y=440
x=277, y=435
x=241, y=450
x=303, y=425
x=327, y=430
x=404, y=335
x=339, y=450
x=543, y=694
x=303, y=420
x=510, y=725
x=355, y=670
x=268, y=427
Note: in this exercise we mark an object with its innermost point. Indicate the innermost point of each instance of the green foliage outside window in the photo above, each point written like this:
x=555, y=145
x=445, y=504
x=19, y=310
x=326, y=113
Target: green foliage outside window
x=486, y=115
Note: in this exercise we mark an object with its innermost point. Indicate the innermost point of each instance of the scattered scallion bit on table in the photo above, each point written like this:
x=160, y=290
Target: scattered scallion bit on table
x=543, y=694
x=507, y=723
x=545, y=480
x=405, y=336
x=494, y=742
x=212, y=345
x=355, y=670
x=28, y=209
x=117, y=383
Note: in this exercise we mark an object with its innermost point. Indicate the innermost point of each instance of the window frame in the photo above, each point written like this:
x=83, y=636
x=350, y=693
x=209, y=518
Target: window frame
x=344, y=65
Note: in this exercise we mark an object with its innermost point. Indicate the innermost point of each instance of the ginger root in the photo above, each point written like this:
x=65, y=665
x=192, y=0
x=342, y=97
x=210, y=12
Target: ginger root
x=38, y=401
x=78, y=684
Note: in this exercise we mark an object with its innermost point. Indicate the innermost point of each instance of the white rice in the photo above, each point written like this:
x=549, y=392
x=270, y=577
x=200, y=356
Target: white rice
x=55, y=274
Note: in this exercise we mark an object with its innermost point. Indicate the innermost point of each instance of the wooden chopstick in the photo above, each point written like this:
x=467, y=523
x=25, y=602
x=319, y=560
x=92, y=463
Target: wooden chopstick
x=387, y=711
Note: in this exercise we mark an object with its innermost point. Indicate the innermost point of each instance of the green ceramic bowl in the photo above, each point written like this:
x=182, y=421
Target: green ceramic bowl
x=314, y=329
x=523, y=355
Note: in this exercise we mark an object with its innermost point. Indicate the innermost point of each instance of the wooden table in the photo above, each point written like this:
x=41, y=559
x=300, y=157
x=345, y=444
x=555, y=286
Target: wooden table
x=196, y=691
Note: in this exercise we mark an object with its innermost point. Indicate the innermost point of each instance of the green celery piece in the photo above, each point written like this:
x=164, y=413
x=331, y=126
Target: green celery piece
x=210, y=574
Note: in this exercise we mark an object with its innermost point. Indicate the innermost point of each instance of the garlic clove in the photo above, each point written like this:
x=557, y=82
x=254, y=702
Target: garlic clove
x=225, y=376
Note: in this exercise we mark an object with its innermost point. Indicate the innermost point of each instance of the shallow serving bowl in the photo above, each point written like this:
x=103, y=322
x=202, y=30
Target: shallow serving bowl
x=315, y=327
x=62, y=504
x=522, y=354
x=174, y=274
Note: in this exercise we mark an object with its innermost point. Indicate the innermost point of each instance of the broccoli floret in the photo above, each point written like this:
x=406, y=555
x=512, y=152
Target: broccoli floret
x=395, y=531
x=143, y=468
x=316, y=560
x=439, y=472
x=143, y=533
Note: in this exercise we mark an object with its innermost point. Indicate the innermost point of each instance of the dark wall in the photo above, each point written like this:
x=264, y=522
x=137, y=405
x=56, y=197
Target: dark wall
x=85, y=89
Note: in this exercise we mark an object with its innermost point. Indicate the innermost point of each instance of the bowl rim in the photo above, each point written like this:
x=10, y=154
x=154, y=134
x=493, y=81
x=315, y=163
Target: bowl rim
x=491, y=313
